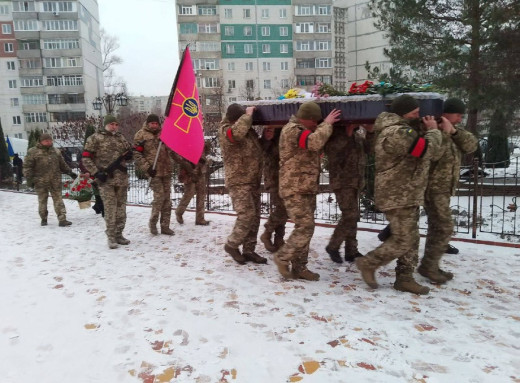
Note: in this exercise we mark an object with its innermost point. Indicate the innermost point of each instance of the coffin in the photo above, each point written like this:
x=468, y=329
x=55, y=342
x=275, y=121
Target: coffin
x=354, y=109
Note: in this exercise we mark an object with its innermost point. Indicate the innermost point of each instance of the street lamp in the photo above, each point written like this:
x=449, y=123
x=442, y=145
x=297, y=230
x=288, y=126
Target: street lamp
x=109, y=101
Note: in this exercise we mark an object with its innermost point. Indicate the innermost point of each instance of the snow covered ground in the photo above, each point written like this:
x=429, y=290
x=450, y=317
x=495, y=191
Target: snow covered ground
x=177, y=309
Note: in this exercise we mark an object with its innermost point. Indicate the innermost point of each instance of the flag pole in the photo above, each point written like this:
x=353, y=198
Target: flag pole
x=153, y=166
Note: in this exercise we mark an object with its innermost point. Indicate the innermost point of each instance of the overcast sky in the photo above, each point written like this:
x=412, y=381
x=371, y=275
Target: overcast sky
x=147, y=32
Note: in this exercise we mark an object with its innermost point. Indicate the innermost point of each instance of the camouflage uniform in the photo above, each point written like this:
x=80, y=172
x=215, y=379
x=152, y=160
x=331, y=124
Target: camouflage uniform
x=300, y=151
x=403, y=157
x=242, y=155
x=442, y=183
x=346, y=162
x=101, y=150
x=195, y=179
x=43, y=167
x=278, y=215
x=146, y=142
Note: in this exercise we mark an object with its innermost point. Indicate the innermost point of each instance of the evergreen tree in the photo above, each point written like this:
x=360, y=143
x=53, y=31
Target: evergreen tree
x=497, y=151
x=5, y=160
x=89, y=130
x=469, y=47
x=34, y=138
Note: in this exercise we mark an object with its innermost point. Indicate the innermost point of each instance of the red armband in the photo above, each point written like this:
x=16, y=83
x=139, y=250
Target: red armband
x=86, y=154
x=303, y=138
x=229, y=135
x=419, y=147
x=139, y=148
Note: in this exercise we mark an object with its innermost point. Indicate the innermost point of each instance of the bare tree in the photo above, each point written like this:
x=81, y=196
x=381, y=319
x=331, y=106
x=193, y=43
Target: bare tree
x=109, y=45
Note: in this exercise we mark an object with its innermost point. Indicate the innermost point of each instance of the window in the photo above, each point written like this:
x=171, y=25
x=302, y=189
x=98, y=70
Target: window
x=31, y=82
x=187, y=28
x=210, y=82
x=305, y=63
x=266, y=48
x=284, y=65
x=72, y=80
x=267, y=84
x=283, y=13
x=304, y=45
x=207, y=28
x=61, y=62
x=305, y=80
x=231, y=84
x=284, y=31
x=207, y=10
x=324, y=10
x=323, y=28
x=284, y=83
x=324, y=45
x=265, y=13
x=58, y=6
x=8, y=47
x=186, y=10
x=231, y=66
x=266, y=66
x=248, y=49
x=229, y=31
x=266, y=31
x=12, y=84
x=303, y=10
x=304, y=28
x=27, y=45
x=232, y=99
x=15, y=101
x=7, y=29
x=208, y=46
x=23, y=6
x=4, y=9
x=284, y=48
x=17, y=120
x=230, y=49
x=61, y=44
x=248, y=31
x=35, y=117
x=324, y=62
x=66, y=98
x=60, y=25
x=34, y=99
x=67, y=116
x=247, y=13
x=250, y=84
x=11, y=65
x=228, y=13
x=35, y=63
x=249, y=66
x=207, y=64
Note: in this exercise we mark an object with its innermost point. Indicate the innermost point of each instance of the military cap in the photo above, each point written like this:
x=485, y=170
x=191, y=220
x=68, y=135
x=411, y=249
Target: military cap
x=309, y=111
x=403, y=104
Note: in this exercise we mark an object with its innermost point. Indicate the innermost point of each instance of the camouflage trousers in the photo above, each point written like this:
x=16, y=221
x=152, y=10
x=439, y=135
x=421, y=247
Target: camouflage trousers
x=162, y=202
x=300, y=208
x=190, y=189
x=440, y=228
x=114, y=200
x=403, y=244
x=346, y=228
x=246, y=203
x=57, y=200
x=278, y=216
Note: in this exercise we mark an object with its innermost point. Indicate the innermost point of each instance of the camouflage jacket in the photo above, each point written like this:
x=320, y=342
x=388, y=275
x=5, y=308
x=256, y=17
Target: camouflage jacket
x=271, y=163
x=300, y=151
x=189, y=172
x=403, y=157
x=146, y=142
x=444, y=173
x=241, y=152
x=44, y=166
x=101, y=150
x=347, y=158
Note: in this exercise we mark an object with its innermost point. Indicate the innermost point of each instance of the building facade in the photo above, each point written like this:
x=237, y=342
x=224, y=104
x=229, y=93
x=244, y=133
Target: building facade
x=50, y=63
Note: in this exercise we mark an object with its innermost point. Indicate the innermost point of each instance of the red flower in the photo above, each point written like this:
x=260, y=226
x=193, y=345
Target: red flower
x=67, y=195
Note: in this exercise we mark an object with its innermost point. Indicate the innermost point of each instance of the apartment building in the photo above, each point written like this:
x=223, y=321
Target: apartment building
x=153, y=104
x=50, y=63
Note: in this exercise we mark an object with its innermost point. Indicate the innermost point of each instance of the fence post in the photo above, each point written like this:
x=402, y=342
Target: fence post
x=475, y=195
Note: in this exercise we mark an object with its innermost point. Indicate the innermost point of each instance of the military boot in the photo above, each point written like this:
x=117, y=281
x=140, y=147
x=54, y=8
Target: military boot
x=351, y=256
x=44, y=222
x=451, y=250
x=367, y=271
x=283, y=267
x=64, y=223
x=202, y=222
x=235, y=254
x=384, y=234
x=435, y=274
x=302, y=272
x=334, y=255
x=254, y=257
x=266, y=240
x=112, y=243
x=178, y=217
x=407, y=284
x=278, y=241
x=153, y=227
x=167, y=231
x=122, y=240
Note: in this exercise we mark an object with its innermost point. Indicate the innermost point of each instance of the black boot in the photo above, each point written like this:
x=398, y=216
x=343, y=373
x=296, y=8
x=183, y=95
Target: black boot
x=452, y=250
x=334, y=255
x=384, y=234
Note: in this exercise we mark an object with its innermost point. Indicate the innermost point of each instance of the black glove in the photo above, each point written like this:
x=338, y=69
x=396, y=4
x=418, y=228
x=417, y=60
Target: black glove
x=128, y=155
x=151, y=172
x=101, y=176
x=73, y=175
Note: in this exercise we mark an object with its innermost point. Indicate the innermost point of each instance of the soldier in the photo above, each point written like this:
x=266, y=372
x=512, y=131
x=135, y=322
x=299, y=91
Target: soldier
x=242, y=155
x=347, y=151
x=195, y=179
x=403, y=155
x=105, y=156
x=278, y=217
x=43, y=167
x=442, y=183
x=146, y=143
x=301, y=142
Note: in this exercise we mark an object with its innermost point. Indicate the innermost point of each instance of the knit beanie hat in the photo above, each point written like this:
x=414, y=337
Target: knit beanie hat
x=45, y=136
x=403, y=104
x=454, y=105
x=109, y=119
x=153, y=118
x=309, y=111
x=234, y=111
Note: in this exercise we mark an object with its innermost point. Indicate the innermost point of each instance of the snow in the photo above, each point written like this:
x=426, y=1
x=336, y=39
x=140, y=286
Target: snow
x=177, y=309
